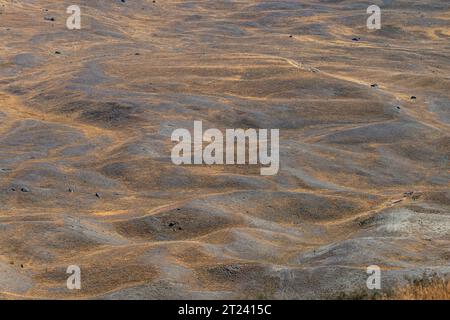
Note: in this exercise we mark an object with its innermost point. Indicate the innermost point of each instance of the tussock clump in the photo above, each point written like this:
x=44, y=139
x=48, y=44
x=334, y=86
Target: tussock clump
x=426, y=288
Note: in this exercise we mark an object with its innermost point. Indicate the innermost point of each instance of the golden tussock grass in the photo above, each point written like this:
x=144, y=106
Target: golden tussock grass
x=433, y=288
